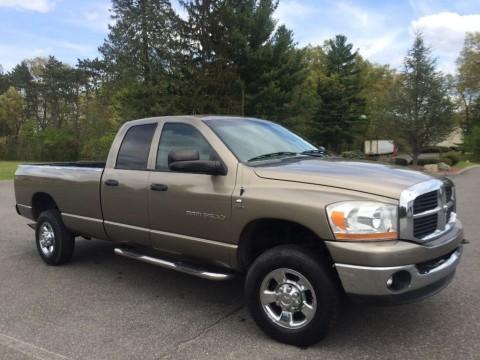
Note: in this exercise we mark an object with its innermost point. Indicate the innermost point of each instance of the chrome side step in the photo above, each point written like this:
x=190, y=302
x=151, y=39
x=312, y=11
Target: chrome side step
x=178, y=266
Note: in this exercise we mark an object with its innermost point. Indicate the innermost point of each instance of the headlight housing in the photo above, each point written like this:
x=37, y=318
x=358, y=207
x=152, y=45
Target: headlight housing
x=363, y=220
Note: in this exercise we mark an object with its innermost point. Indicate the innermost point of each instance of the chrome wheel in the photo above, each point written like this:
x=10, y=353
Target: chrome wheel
x=288, y=298
x=46, y=239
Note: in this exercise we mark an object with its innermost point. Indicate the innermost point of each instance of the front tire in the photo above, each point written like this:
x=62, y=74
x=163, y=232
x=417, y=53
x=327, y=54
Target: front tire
x=55, y=243
x=292, y=296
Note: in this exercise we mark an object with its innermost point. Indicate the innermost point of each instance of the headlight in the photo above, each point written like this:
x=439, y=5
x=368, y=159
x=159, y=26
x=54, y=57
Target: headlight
x=363, y=220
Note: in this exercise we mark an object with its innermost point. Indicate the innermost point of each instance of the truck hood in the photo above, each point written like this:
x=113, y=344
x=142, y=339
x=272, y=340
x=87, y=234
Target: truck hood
x=368, y=177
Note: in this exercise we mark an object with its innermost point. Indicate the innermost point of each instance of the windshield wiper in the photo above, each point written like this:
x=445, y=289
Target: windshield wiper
x=315, y=152
x=274, y=154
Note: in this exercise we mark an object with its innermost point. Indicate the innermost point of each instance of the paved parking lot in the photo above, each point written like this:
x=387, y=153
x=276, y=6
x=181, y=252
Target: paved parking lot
x=102, y=306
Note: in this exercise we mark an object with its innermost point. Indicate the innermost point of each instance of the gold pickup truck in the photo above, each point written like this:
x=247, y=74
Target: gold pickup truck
x=216, y=196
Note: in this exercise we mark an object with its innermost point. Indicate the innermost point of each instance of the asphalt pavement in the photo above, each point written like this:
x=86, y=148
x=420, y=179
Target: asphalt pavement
x=101, y=306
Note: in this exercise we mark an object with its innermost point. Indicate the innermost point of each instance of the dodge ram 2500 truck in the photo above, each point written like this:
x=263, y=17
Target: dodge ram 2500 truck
x=216, y=196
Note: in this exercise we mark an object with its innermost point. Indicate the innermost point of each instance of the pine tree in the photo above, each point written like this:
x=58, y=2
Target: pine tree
x=139, y=53
x=341, y=104
x=4, y=81
x=420, y=108
x=237, y=62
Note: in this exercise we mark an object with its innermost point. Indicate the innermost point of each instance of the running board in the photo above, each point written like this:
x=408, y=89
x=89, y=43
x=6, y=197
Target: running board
x=178, y=266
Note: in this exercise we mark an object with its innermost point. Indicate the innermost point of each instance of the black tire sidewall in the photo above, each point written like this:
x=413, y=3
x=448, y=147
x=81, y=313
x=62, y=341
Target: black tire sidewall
x=322, y=280
x=64, y=241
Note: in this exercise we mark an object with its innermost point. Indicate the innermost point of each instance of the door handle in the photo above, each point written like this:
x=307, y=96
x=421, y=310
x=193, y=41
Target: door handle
x=158, y=187
x=111, y=182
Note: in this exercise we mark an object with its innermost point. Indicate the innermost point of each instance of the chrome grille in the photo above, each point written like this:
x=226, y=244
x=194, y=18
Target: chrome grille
x=425, y=202
x=427, y=210
x=425, y=225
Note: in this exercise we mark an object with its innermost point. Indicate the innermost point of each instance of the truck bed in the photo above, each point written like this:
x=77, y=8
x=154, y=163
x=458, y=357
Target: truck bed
x=75, y=186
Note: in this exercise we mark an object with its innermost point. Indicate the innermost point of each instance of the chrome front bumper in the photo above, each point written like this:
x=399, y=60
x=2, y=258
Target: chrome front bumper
x=417, y=280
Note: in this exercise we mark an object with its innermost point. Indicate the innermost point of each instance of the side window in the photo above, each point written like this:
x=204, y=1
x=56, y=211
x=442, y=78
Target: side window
x=133, y=153
x=176, y=136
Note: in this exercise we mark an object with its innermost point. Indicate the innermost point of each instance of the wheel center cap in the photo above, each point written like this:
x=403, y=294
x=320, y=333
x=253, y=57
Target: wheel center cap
x=289, y=297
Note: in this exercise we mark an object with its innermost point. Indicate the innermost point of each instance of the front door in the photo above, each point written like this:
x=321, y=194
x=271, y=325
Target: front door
x=125, y=188
x=189, y=213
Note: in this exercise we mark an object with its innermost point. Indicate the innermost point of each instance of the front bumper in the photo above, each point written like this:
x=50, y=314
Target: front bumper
x=415, y=281
x=397, y=271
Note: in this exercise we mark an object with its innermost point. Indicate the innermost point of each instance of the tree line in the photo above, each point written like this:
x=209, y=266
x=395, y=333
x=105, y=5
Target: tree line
x=231, y=57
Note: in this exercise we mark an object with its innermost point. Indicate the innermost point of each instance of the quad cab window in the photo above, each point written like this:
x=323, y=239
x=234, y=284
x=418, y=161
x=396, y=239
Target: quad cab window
x=176, y=136
x=133, y=153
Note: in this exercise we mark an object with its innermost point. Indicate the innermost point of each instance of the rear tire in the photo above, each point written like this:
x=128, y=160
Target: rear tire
x=55, y=243
x=292, y=296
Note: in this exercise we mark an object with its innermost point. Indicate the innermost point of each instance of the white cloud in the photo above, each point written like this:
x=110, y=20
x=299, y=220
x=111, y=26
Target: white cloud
x=422, y=7
x=376, y=45
x=42, y=6
x=292, y=12
x=96, y=17
x=445, y=32
x=27, y=45
x=13, y=55
x=358, y=16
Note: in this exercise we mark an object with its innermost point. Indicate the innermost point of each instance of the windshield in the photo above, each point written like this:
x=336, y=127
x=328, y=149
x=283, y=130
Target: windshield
x=251, y=139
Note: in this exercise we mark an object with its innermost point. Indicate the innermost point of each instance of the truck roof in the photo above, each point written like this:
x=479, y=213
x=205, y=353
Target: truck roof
x=192, y=118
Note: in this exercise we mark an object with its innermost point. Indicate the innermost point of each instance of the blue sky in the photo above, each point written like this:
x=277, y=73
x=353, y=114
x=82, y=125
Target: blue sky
x=381, y=30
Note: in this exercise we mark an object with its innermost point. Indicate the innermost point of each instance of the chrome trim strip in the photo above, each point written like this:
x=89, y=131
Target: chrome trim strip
x=164, y=233
x=191, y=238
x=25, y=206
x=178, y=266
x=59, y=167
x=433, y=211
x=131, y=227
x=82, y=217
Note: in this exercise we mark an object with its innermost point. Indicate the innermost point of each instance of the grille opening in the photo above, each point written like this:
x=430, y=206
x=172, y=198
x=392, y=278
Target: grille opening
x=425, y=225
x=425, y=202
x=427, y=266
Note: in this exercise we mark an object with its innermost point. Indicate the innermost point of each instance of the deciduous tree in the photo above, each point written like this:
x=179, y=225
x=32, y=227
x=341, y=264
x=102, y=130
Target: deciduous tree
x=468, y=83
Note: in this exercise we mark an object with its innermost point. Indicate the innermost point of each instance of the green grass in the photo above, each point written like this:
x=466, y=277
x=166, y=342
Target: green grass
x=7, y=169
x=464, y=164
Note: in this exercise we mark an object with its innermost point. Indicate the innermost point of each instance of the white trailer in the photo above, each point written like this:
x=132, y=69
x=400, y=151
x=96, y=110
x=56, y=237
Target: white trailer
x=379, y=147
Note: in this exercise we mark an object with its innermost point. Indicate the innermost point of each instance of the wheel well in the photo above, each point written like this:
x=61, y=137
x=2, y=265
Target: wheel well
x=264, y=234
x=42, y=202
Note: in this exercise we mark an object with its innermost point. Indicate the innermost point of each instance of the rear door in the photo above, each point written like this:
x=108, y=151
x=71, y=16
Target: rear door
x=124, y=187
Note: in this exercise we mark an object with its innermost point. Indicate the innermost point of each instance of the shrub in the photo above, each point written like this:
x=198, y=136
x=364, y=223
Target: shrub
x=454, y=157
x=97, y=148
x=428, y=161
x=472, y=143
x=435, y=149
x=400, y=161
x=446, y=160
x=354, y=154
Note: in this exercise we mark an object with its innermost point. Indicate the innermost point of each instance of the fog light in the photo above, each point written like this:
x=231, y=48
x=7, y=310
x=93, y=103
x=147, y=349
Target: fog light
x=399, y=281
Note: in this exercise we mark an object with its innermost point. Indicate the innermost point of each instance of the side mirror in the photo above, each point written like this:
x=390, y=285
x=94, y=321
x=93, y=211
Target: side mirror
x=188, y=161
x=182, y=155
